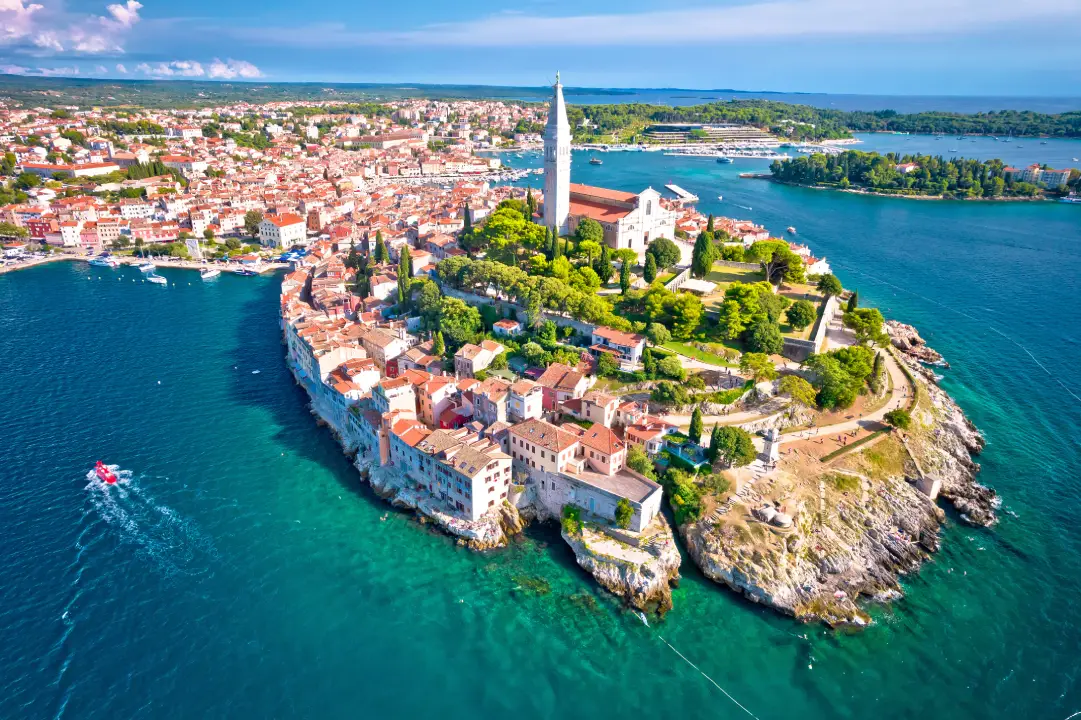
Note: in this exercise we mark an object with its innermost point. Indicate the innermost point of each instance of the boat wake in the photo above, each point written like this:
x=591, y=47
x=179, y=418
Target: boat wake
x=171, y=543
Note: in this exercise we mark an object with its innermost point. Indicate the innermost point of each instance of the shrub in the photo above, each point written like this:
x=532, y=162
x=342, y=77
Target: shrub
x=899, y=419
x=684, y=496
x=624, y=513
x=572, y=519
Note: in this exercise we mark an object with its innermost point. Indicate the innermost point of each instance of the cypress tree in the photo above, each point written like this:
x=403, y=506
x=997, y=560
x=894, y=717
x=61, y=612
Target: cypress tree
x=714, y=444
x=403, y=274
x=603, y=265
x=380, y=248
x=530, y=204
x=853, y=301
x=467, y=221
x=624, y=278
x=709, y=224
x=650, y=272
x=438, y=348
x=696, y=425
x=557, y=250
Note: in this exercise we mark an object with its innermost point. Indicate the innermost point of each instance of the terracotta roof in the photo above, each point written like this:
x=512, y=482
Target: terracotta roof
x=618, y=337
x=597, y=211
x=603, y=193
x=544, y=435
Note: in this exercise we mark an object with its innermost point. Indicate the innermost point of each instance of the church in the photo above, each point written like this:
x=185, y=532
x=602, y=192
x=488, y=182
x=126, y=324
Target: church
x=629, y=220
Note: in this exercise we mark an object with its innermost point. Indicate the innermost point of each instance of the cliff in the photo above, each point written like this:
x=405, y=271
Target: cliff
x=641, y=573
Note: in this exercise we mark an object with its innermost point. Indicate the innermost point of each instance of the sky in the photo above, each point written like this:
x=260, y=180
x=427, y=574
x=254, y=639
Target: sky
x=883, y=47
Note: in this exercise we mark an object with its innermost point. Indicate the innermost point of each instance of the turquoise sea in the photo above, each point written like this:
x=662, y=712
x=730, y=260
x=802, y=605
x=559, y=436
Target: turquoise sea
x=242, y=570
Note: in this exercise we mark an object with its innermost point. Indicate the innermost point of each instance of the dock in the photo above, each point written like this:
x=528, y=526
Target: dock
x=681, y=194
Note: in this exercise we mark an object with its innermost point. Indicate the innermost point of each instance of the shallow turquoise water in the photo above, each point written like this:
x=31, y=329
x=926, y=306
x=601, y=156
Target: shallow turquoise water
x=243, y=571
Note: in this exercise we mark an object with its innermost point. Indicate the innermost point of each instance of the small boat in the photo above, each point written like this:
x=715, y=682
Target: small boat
x=791, y=230
x=720, y=197
x=104, y=474
x=105, y=261
x=596, y=161
x=147, y=266
x=724, y=160
x=1076, y=160
x=953, y=149
x=244, y=271
x=209, y=273
x=156, y=279
x=1043, y=142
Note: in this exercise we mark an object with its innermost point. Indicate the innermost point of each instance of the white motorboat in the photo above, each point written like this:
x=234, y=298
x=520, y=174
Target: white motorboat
x=147, y=266
x=209, y=273
x=104, y=261
x=157, y=279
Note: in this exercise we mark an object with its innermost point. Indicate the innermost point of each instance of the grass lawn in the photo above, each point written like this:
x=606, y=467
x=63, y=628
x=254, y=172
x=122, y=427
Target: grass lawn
x=802, y=292
x=725, y=276
x=693, y=352
x=664, y=277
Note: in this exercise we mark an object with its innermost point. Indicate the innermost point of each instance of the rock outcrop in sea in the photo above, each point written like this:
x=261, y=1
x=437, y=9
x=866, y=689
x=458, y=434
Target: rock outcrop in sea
x=906, y=339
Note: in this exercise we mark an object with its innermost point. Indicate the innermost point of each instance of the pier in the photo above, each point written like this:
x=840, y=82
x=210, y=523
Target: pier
x=681, y=194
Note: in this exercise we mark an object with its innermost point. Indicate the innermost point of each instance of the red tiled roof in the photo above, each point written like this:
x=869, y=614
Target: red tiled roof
x=603, y=193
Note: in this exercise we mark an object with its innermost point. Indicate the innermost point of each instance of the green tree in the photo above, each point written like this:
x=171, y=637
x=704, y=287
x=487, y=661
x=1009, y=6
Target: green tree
x=10, y=230
x=27, y=180
x=684, y=496
x=778, y=262
x=735, y=447
x=624, y=277
x=867, y=324
x=252, y=218
x=658, y=334
x=758, y=366
x=829, y=285
x=686, y=312
x=672, y=368
x=208, y=235
x=765, y=337
x=403, y=274
x=713, y=451
x=352, y=260
x=603, y=265
x=458, y=321
x=853, y=301
x=899, y=418
x=230, y=243
x=624, y=513
x=801, y=314
x=438, y=348
x=649, y=273
x=709, y=224
x=639, y=461
x=607, y=365
x=696, y=428
x=798, y=389
x=530, y=205
x=731, y=320
x=705, y=253
x=665, y=252
x=381, y=255
x=589, y=230
x=649, y=365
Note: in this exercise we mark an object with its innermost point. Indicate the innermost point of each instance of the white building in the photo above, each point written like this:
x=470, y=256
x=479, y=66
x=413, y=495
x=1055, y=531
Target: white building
x=557, y=162
x=282, y=231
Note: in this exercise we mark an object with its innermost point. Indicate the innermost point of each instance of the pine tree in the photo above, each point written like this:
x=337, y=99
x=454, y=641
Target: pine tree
x=853, y=301
x=380, y=248
x=438, y=348
x=696, y=425
x=709, y=224
x=650, y=272
x=624, y=277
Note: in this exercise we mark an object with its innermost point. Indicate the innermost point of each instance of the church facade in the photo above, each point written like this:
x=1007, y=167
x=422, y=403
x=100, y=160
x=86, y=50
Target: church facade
x=630, y=221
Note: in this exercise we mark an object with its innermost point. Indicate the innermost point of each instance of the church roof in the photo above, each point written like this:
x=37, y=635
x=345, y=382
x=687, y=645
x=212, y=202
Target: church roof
x=598, y=211
x=600, y=194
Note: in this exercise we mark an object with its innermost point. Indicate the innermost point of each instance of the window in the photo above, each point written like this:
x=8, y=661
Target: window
x=649, y=207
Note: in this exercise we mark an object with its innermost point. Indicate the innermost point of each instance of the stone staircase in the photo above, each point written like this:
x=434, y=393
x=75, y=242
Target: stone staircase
x=746, y=494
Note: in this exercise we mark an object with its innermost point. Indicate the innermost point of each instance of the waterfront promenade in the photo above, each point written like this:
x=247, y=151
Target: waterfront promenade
x=161, y=262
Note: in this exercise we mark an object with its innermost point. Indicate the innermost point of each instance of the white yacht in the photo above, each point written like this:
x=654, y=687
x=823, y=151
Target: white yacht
x=157, y=279
x=209, y=273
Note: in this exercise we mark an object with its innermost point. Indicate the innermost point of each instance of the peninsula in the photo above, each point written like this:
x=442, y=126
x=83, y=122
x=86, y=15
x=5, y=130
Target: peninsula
x=792, y=436
x=613, y=361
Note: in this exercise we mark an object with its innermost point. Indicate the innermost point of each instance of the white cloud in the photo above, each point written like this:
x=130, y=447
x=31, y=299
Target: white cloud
x=101, y=69
x=40, y=71
x=755, y=20
x=38, y=30
x=174, y=68
x=121, y=69
x=127, y=14
x=16, y=19
x=233, y=68
x=48, y=40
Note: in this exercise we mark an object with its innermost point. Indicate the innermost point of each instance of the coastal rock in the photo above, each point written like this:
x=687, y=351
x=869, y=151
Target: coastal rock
x=943, y=443
x=842, y=546
x=642, y=574
x=907, y=340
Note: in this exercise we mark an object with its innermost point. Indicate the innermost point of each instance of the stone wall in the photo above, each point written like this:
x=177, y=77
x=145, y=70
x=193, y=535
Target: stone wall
x=799, y=350
x=583, y=328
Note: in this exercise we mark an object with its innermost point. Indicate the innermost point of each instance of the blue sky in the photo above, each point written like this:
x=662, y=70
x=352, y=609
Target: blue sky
x=915, y=47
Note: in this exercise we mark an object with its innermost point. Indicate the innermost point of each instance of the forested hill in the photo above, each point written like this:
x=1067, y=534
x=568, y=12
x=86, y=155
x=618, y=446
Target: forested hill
x=932, y=175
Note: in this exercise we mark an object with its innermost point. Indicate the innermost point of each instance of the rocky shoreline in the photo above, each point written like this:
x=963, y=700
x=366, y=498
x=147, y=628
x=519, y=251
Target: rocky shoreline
x=855, y=530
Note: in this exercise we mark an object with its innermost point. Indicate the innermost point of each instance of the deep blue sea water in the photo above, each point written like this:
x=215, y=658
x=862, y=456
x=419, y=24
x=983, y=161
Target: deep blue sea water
x=242, y=571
